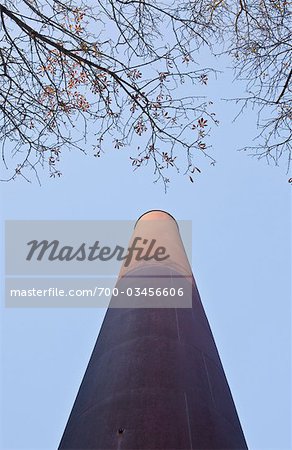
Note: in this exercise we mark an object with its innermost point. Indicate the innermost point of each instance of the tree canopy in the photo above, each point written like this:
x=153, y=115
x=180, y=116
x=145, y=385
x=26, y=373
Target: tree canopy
x=124, y=73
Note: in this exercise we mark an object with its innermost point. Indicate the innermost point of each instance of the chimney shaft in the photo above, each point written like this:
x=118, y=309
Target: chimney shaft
x=155, y=379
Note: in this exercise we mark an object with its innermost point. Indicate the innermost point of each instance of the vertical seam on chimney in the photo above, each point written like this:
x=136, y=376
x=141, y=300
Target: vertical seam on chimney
x=188, y=419
x=208, y=378
x=177, y=325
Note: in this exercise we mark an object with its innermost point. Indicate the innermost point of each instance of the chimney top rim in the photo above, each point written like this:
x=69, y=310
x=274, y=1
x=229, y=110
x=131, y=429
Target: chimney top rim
x=151, y=211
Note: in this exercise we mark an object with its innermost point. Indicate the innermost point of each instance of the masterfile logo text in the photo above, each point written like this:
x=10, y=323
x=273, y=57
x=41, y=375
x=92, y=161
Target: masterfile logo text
x=55, y=251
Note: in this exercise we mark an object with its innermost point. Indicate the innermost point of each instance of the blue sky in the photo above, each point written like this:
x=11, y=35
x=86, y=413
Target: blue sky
x=240, y=212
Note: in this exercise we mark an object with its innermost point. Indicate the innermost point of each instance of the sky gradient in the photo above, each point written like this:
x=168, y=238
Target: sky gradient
x=240, y=212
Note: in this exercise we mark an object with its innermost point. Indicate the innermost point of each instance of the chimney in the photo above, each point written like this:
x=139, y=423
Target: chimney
x=155, y=379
